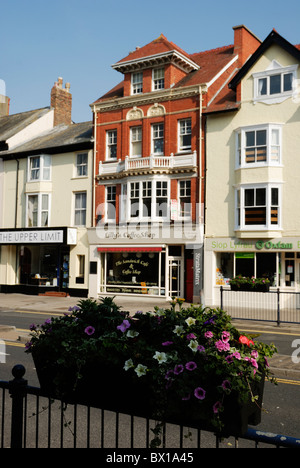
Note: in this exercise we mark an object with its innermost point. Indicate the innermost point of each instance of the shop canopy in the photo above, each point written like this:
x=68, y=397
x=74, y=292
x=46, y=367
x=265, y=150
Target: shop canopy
x=129, y=249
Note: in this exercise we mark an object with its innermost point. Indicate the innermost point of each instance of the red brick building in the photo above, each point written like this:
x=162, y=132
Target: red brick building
x=149, y=195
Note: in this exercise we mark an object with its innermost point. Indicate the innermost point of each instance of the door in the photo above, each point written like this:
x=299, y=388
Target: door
x=297, y=283
x=175, y=277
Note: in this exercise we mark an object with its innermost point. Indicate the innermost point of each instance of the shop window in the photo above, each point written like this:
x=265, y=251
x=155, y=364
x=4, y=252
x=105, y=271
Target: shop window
x=38, y=265
x=224, y=268
x=244, y=264
x=81, y=269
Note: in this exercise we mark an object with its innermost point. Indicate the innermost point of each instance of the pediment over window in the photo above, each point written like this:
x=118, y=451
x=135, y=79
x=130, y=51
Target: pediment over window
x=155, y=110
x=135, y=114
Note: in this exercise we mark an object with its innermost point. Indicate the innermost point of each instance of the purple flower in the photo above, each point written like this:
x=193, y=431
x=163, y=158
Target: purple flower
x=216, y=407
x=89, y=330
x=169, y=374
x=28, y=345
x=124, y=326
x=201, y=349
x=191, y=336
x=226, y=385
x=186, y=398
x=178, y=369
x=167, y=343
x=32, y=327
x=199, y=393
x=221, y=346
x=191, y=366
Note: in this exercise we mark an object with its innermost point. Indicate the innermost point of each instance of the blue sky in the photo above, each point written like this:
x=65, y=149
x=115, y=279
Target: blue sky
x=79, y=40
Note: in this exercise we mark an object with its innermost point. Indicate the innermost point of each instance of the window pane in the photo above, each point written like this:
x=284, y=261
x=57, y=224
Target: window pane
x=275, y=84
x=261, y=137
x=287, y=82
x=250, y=138
x=262, y=86
x=260, y=197
x=249, y=197
x=274, y=196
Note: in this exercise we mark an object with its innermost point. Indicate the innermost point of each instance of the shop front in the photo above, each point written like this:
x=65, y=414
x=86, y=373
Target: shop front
x=35, y=261
x=143, y=262
x=225, y=258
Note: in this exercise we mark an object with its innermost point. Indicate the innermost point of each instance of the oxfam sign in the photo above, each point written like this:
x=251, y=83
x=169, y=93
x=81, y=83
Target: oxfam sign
x=273, y=245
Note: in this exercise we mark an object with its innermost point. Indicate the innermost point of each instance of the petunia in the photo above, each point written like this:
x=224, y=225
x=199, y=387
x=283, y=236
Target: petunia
x=191, y=366
x=89, y=330
x=217, y=406
x=167, y=343
x=208, y=334
x=178, y=369
x=128, y=364
x=190, y=321
x=226, y=385
x=191, y=336
x=221, y=346
x=132, y=333
x=201, y=349
x=199, y=393
x=178, y=330
x=124, y=326
x=160, y=357
x=193, y=345
x=225, y=336
x=140, y=370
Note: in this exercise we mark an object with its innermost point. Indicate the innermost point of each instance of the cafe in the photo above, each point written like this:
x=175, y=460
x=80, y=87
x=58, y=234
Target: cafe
x=34, y=261
x=225, y=258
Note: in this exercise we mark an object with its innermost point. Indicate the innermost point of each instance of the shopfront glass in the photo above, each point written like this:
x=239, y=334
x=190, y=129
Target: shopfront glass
x=134, y=272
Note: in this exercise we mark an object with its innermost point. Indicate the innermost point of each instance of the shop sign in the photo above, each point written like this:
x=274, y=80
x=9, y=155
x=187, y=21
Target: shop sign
x=32, y=237
x=231, y=245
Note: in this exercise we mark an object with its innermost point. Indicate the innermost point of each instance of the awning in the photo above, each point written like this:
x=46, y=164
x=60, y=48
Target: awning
x=129, y=249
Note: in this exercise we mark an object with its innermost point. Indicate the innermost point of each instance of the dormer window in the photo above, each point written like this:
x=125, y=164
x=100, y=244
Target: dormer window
x=137, y=83
x=274, y=84
x=158, y=78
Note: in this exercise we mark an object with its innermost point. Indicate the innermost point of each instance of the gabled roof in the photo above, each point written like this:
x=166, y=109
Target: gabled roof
x=10, y=125
x=61, y=138
x=272, y=38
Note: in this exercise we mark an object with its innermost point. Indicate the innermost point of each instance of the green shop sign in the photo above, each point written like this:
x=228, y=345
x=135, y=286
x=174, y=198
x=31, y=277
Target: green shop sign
x=273, y=245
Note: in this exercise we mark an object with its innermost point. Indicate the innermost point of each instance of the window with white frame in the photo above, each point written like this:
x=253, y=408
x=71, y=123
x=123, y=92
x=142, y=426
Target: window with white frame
x=136, y=141
x=258, y=207
x=149, y=200
x=111, y=203
x=185, y=135
x=185, y=199
x=259, y=145
x=39, y=168
x=81, y=164
x=274, y=83
x=158, y=77
x=80, y=209
x=137, y=83
x=37, y=206
x=158, y=138
x=111, y=144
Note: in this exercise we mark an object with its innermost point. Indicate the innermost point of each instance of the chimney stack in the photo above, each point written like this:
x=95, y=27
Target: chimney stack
x=61, y=101
x=4, y=100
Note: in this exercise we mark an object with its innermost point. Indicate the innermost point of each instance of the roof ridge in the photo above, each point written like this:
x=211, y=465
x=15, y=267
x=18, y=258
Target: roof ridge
x=217, y=49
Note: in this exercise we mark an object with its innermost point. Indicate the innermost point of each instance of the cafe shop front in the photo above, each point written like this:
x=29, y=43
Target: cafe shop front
x=34, y=261
x=225, y=258
x=147, y=261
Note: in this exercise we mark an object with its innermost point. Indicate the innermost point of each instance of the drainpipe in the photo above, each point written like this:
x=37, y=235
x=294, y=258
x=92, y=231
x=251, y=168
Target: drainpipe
x=94, y=170
x=17, y=192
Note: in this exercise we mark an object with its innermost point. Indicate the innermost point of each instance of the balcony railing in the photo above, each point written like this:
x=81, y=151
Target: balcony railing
x=182, y=161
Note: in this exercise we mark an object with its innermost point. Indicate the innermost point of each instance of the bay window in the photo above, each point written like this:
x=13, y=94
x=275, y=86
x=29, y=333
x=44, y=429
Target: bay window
x=259, y=145
x=39, y=168
x=37, y=208
x=148, y=200
x=258, y=207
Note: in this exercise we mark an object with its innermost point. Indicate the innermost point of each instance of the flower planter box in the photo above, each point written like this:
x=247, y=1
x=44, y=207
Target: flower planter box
x=249, y=287
x=114, y=390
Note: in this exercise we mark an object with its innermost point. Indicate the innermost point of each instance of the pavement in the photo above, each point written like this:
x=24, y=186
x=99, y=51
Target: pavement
x=281, y=365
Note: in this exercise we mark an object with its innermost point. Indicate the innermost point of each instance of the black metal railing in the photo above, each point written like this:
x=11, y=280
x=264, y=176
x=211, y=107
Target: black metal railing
x=272, y=306
x=30, y=419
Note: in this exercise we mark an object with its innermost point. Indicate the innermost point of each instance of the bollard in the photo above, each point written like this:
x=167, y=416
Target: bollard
x=17, y=390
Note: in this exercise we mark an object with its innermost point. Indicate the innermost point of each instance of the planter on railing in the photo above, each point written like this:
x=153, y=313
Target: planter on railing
x=241, y=283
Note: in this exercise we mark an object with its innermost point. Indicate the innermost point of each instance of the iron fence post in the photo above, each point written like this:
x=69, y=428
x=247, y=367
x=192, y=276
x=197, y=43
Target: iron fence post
x=278, y=306
x=17, y=390
x=221, y=300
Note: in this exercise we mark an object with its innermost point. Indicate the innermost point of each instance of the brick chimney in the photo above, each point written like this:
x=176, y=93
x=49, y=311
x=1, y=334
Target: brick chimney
x=4, y=100
x=61, y=101
x=245, y=43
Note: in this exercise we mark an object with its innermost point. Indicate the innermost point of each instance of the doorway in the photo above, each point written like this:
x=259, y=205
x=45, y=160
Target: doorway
x=175, y=277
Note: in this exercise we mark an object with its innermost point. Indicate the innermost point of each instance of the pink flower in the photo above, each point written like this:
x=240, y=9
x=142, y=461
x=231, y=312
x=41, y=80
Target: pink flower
x=124, y=326
x=225, y=336
x=89, y=330
x=216, y=407
x=221, y=346
x=191, y=336
x=208, y=334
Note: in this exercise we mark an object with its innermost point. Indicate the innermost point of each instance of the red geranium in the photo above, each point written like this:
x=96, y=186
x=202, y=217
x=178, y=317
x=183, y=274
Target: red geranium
x=244, y=340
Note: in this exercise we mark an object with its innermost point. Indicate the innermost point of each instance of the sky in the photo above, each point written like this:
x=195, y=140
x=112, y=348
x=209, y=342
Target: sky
x=79, y=40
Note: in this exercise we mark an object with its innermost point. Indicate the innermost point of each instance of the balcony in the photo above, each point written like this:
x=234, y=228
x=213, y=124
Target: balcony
x=149, y=165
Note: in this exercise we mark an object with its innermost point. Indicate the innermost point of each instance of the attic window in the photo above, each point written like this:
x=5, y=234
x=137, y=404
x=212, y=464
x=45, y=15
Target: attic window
x=137, y=83
x=274, y=84
x=158, y=78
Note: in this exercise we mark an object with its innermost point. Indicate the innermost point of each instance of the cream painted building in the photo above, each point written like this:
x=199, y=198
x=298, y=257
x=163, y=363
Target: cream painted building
x=47, y=204
x=253, y=172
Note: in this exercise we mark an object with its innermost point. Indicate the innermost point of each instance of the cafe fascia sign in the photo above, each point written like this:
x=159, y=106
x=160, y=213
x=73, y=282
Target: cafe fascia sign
x=262, y=245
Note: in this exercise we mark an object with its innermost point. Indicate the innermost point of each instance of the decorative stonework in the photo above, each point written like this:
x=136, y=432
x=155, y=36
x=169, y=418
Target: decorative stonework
x=156, y=110
x=135, y=114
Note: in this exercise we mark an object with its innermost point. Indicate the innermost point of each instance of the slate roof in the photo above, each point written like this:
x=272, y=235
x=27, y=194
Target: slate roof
x=12, y=124
x=61, y=138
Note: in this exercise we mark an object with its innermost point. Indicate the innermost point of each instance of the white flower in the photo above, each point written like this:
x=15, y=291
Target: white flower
x=190, y=321
x=160, y=357
x=128, y=364
x=140, y=370
x=132, y=333
x=179, y=330
x=193, y=344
